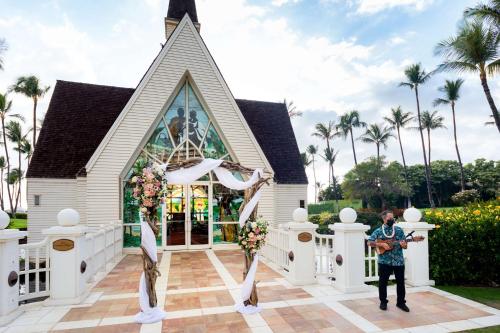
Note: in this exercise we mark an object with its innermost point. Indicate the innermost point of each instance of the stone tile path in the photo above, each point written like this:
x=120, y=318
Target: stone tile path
x=198, y=290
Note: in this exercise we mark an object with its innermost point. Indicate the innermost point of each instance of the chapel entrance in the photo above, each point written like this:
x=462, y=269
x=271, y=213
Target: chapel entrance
x=187, y=217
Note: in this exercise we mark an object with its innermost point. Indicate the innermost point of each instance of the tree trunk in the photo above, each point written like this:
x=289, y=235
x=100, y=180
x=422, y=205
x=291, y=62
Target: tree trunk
x=335, y=193
x=378, y=155
x=1, y=190
x=254, y=298
x=315, y=183
x=429, y=147
x=35, y=102
x=18, y=195
x=491, y=102
x=353, y=149
x=404, y=164
x=8, y=163
x=462, y=179
x=427, y=171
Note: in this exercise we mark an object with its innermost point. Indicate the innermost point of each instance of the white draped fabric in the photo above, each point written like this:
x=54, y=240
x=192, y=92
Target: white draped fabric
x=186, y=176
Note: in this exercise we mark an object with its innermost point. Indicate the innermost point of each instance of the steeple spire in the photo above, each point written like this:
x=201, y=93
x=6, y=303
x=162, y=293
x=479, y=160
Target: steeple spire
x=176, y=11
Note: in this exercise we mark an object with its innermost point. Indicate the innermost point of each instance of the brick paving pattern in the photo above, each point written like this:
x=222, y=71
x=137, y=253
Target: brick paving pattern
x=235, y=264
x=219, y=323
x=192, y=270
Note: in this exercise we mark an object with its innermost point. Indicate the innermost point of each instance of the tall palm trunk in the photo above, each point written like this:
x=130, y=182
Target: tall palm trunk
x=35, y=102
x=315, y=183
x=404, y=162
x=427, y=171
x=18, y=195
x=353, y=149
x=1, y=190
x=491, y=102
x=334, y=182
x=429, y=147
x=378, y=155
x=8, y=164
x=462, y=180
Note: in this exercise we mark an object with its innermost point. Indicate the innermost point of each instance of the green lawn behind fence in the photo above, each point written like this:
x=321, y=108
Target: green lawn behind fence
x=331, y=206
x=18, y=224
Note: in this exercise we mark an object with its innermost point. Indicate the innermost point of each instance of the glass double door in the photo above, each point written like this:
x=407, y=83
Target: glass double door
x=187, y=217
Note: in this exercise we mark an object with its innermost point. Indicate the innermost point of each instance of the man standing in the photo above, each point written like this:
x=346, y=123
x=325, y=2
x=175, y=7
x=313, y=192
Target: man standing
x=391, y=261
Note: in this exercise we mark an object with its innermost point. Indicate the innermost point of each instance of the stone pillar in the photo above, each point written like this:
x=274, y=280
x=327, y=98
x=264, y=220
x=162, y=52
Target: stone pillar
x=302, y=269
x=417, y=254
x=67, y=268
x=349, y=250
x=9, y=270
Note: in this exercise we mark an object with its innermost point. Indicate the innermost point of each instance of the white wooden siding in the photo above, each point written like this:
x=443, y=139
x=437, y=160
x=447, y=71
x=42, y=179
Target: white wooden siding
x=186, y=53
x=55, y=195
x=81, y=198
x=287, y=199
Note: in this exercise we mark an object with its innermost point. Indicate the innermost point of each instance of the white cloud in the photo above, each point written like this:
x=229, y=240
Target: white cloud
x=375, y=6
x=279, y=3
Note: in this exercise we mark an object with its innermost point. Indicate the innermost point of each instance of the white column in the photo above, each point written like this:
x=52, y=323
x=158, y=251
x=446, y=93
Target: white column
x=349, y=250
x=301, y=243
x=67, y=267
x=9, y=270
x=417, y=254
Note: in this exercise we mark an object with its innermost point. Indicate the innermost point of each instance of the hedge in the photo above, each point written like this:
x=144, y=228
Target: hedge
x=324, y=219
x=465, y=246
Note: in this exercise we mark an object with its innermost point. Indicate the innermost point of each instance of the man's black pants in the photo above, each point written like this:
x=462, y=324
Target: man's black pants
x=384, y=272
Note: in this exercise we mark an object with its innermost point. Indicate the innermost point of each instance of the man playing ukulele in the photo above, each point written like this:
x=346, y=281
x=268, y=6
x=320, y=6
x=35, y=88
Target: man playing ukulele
x=391, y=261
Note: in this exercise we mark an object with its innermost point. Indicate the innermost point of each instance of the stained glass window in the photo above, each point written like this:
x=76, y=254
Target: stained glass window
x=198, y=120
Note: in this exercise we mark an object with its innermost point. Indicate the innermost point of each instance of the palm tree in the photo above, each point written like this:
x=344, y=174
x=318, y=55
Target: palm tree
x=379, y=135
x=14, y=134
x=474, y=50
x=31, y=87
x=416, y=76
x=318, y=186
x=312, y=150
x=398, y=120
x=349, y=121
x=330, y=157
x=292, y=109
x=13, y=179
x=327, y=133
x=431, y=121
x=2, y=169
x=5, y=107
x=451, y=90
x=3, y=48
x=305, y=160
x=488, y=13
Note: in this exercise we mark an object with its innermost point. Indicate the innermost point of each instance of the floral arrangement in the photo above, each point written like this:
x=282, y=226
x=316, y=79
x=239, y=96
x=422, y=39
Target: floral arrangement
x=252, y=236
x=149, y=190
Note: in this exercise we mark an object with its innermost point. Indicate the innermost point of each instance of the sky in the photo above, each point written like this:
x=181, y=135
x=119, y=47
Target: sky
x=327, y=56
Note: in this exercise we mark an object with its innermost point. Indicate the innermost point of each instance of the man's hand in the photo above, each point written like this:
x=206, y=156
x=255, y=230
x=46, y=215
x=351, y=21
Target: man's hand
x=403, y=244
x=385, y=246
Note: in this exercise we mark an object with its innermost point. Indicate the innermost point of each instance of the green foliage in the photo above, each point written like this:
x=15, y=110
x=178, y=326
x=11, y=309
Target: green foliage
x=18, y=223
x=331, y=193
x=484, y=176
x=464, y=246
x=380, y=184
x=331, y=206
x=465, y=197
x=324, y=219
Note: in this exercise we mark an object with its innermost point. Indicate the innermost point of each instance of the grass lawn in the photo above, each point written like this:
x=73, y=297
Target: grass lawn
x=493, y=329
x=485, y=295
x=18, y=224
x=331, y=206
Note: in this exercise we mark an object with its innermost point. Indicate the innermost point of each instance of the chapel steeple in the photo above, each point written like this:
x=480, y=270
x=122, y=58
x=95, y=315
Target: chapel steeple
x=176, y=11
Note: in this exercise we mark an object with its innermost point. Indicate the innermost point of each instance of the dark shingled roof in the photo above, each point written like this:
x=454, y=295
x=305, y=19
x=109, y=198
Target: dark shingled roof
x=178, y=8
x=80, y=115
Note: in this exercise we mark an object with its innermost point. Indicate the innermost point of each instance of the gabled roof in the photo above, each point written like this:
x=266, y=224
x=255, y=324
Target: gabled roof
x=80, y=115
x=178, y=8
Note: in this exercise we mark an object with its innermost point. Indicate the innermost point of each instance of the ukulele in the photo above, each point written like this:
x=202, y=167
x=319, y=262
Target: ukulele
x=381, y=250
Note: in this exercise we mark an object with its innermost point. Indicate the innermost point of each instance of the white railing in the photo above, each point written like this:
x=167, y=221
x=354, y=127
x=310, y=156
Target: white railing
x=277, y=247
x=325, y=257
x=102, y=247
x=34, y=270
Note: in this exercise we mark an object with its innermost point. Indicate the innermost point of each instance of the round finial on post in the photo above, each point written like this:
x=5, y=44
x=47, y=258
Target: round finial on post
x=68, y=217
x=4, y=220
x=348, y=215
x=300, y=215
x=412, y=215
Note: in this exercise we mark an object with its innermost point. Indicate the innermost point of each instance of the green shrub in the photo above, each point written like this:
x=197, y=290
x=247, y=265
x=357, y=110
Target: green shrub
x=331, y=206
x=325, y=219
x=464, y=247
x=21, y=216
x=463, y=198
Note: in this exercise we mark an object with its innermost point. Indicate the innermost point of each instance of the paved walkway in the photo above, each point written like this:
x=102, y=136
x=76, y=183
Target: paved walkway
x=198, y=290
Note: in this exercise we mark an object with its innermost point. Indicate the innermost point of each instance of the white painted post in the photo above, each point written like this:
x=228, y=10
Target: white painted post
x=67, y=251
x=349, y=250
x=301, y=244
x=9, y=270
x=417, y=254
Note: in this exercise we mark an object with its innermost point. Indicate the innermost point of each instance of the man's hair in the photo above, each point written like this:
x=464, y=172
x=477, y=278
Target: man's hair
x=385, y=212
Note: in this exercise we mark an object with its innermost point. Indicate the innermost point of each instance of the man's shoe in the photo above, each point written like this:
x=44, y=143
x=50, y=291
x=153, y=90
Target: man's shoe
x=403, y=307
x=383, y=306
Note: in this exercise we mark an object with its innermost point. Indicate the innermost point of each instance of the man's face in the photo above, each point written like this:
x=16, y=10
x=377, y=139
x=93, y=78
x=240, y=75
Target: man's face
x=388, y=217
